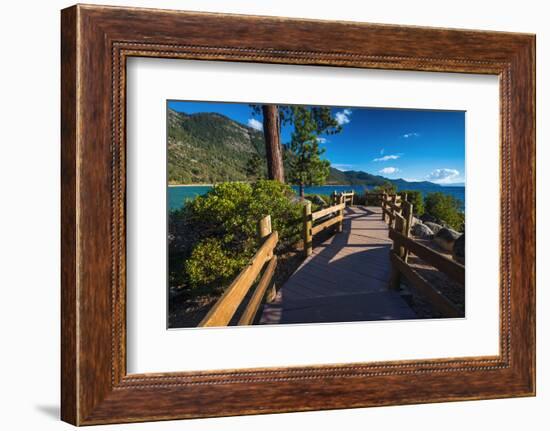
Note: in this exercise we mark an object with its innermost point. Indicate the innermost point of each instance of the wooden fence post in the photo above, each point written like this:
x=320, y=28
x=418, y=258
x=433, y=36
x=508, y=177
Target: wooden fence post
x=341, y=224
x=395, y=276
x=264, y=229
x=407, y=215
x=308, y=246
x=394, y=211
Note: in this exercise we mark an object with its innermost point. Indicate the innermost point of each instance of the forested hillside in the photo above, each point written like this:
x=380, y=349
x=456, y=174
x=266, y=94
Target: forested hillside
x=210, y=148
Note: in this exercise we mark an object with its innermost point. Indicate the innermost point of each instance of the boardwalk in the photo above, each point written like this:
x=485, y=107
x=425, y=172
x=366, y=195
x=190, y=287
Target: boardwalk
x=345, y=279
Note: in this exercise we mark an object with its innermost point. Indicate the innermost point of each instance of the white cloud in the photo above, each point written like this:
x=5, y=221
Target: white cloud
x=388, y=157
x=444, y=175
x=389, y=170
x=255, y=124
x=322, y=140
x=411, y=135
x=342, y=117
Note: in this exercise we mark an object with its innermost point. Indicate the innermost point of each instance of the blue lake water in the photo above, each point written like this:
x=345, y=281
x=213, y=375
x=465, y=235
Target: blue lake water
x=178, y=195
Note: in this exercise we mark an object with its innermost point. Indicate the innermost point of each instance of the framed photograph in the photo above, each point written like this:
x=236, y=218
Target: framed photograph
x=266, y=215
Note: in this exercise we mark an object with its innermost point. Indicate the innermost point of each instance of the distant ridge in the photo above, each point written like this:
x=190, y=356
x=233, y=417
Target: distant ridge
x=208, y=147
x=360, y=178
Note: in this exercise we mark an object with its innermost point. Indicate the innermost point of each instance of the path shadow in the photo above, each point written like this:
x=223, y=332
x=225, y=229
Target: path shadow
x=341, y=286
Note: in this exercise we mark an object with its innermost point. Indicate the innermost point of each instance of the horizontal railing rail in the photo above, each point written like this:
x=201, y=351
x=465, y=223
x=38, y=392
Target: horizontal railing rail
x=398, y=213
x=331, y=216
x=225, y=308
x=430, y=293
x=347, y=197
x=326, y=211
x=451, y=268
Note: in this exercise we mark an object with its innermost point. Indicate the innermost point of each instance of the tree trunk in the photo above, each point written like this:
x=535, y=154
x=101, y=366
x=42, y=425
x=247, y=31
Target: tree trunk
x=302, y=195
x=273, y=149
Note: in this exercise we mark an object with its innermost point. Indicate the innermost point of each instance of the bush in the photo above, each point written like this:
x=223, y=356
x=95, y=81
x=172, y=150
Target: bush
x=445, y=208
x=387, y=187
x=210, y=262
x=415, y=198
x=213, y=236
x=316, y=203
x=372, y=198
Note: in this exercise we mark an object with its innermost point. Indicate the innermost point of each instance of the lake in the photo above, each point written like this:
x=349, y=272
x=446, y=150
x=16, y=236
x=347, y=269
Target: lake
x=177, y=195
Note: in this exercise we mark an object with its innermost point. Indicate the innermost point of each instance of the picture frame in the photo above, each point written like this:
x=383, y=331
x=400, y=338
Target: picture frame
x=96, y=41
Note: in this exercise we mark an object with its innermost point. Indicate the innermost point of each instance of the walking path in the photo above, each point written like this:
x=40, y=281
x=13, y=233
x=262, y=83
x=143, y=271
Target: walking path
x=345, y=279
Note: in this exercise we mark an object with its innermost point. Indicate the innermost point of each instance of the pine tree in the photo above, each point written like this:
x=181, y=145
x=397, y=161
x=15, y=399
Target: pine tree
x=307, y=168
x=273, y=147
x=302, y=155
x=254, y=167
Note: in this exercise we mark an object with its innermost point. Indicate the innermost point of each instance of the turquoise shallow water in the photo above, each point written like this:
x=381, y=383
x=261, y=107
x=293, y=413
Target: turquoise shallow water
x=178, y=195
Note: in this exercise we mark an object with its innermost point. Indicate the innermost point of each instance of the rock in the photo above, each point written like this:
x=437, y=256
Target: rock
x=422, y=231
x=415, y=221
x=459, y=249
x=318, y=200
x=446, y=238
x=443, y=224
x=427, y=217
x=433, y=226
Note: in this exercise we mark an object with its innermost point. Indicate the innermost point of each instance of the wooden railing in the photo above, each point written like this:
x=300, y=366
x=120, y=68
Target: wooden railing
x=391, y=204
x=347, y=196
x=225, y=308
x=399, y=216
x=373, y=198
x=309, y=219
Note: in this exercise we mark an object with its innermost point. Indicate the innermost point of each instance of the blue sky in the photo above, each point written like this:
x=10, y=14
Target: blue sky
x=417, y=145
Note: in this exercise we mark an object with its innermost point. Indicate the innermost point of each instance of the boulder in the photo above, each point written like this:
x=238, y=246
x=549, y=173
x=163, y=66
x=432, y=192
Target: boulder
x=422, y=231
x=446, y=238
x=427, y=217
x=459, y=249
x=433, y=226
x=318, y=200
x=415, y=221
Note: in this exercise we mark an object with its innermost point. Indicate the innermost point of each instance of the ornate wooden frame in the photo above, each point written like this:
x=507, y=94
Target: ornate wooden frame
x=96, y=41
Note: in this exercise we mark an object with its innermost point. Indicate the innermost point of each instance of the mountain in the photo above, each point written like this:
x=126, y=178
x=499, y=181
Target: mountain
x=360, y=178
x=402, y=184
x=209, y=148
x=355, y=178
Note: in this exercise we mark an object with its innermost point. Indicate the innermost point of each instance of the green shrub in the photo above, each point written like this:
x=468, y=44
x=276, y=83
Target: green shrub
x=446, y=208
x=315, y=205
x=372, y=198
x=211, y=263
x=415, y=198
x=279, y=201
x=387, y=187
x=214, y=235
